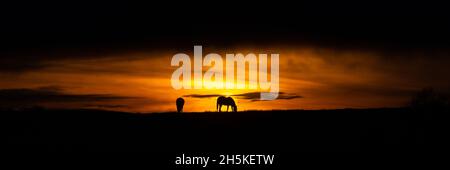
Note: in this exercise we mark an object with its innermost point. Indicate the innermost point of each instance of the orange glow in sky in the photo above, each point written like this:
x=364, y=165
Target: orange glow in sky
x=320, y=78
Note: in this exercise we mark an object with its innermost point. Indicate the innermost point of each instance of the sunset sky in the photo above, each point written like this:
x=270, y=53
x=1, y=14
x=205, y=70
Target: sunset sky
x=121, y=61
x=310, y=78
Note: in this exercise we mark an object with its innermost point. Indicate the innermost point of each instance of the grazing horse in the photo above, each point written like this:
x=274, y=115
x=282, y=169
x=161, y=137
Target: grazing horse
x=180, y=104
x=228, y=101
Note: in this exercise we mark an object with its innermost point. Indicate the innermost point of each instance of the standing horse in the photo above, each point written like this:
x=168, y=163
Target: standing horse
x=180, y=104
x=228, y=101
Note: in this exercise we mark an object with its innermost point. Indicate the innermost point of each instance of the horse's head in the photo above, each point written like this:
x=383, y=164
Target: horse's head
x=234, y=108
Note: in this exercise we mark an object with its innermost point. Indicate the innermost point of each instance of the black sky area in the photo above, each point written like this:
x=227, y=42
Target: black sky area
x=42, y=29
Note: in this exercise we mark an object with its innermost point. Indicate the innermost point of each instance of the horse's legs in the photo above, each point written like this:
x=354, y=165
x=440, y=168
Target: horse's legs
x=228, y=106
x=220, y=108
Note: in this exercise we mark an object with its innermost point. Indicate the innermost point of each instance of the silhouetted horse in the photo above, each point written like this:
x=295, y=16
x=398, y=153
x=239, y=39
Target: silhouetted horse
x=180, y=104
x=228, y=101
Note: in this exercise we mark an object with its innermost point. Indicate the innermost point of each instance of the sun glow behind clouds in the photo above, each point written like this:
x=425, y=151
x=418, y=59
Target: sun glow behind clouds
x=239, y=69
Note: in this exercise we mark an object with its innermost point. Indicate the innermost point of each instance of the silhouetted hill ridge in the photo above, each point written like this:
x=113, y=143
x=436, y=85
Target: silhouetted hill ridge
x=384, y=129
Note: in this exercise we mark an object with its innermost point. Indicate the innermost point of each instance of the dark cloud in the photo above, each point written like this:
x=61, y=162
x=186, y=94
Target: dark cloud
x=34, y=34
x=11, y=64
x=106, y=106
x=253, y=96
x=49, y=94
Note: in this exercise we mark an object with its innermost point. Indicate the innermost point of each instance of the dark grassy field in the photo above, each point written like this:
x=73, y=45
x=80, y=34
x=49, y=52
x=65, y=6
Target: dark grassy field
x=397, y=130
x=292, y=130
